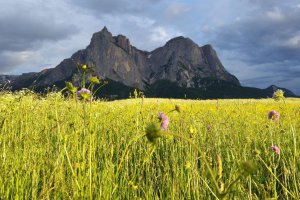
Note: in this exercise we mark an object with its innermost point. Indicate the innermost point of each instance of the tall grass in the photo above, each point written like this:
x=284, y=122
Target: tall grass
x=53, y=148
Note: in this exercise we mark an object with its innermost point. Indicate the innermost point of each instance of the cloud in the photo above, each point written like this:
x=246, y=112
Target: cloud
x=24, y=26
x=283, y=73
x=9, y=60
x=177, y=9
x=114, y=6
x=263, y=39
x=293, y=42
x=262, y=48
x=275, y=14
x=161, y=34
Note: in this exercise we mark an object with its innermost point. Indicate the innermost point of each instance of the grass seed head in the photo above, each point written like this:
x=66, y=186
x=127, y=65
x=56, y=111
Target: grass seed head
x=71, y=87
x=178, y=108
x=278, y=95
x=248, y=168
x=153, y=132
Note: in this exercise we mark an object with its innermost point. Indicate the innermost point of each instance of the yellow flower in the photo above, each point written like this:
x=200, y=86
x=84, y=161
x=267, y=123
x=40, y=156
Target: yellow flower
x=84, y=67
x=134, y=187
x=188, y=165
x=192, y=130
x=94, y=80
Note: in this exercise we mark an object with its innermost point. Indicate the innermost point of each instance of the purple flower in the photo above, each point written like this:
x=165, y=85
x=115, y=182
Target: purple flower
x=276, y=149
x=84, y=94
x=164, y=120
x=164, y=124
x=161, y=116
x=273, y=115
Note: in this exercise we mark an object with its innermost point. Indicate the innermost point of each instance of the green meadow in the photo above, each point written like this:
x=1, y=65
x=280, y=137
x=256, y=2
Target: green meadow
x=52, y=147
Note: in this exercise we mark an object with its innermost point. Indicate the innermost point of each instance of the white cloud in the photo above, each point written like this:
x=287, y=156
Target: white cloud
x=142, y=22
x=293, y=42
x=177, y=9
x=237, y=19
x=275, y=14
x=23, y=58
x=160, y=34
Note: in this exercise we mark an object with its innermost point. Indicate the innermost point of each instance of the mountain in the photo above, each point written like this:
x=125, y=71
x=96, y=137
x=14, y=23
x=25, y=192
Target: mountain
x=271, y=89
x=180, y=64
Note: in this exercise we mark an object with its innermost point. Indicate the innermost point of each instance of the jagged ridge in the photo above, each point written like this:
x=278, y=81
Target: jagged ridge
x=180, y=61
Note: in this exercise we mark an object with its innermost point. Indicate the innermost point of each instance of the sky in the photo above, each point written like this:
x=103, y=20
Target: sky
x=256, y=40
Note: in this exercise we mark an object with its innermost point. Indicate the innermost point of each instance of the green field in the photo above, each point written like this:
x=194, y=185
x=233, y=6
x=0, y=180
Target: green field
x=53, y=148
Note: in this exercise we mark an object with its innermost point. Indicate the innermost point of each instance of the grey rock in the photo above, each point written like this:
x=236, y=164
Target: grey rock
x=180, y=60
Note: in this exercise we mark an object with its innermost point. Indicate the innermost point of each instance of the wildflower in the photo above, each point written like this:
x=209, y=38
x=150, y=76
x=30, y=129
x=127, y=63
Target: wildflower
x=84, y=94
x=256, y=152
x=132, y=185
x=273, y=115
x=278, y=95
x=71, y=87
x=188, y=165
x=178, y=108
x=164, y=121
x=84, y=67
x=276, y=149
x=192, y=130
x=152, y=132
x=94, y=80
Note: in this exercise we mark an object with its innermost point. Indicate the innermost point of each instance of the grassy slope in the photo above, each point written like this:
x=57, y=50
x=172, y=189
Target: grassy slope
x=52, y=148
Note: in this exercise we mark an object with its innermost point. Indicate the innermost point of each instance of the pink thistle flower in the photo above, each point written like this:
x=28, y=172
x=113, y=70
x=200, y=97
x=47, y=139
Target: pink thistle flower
x=273, y=115
x=164, y=120
x=276, y=149
x=164, y=124
x=84, y=94
x=161, y=116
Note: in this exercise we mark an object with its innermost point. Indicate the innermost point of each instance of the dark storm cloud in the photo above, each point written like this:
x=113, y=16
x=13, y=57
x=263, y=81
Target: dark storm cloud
x=24, y=28
x=22, y=31
x=17, y=30
x=114, y=6
x=269, y=37
x=266, y=42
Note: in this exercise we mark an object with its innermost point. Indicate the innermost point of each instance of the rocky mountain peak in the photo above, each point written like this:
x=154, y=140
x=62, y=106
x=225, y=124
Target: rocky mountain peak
x=123, y=42
x=180, y=43
x=97, y=37
x=180, y=61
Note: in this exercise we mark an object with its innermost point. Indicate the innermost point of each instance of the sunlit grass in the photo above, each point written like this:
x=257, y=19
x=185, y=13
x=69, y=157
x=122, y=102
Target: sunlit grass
x=52, y=148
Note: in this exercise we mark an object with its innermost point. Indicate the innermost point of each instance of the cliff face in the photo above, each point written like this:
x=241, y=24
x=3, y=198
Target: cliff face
x=184, y=62
x=180, y=61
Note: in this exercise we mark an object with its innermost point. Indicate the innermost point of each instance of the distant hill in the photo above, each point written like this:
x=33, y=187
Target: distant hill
x=178, y=69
